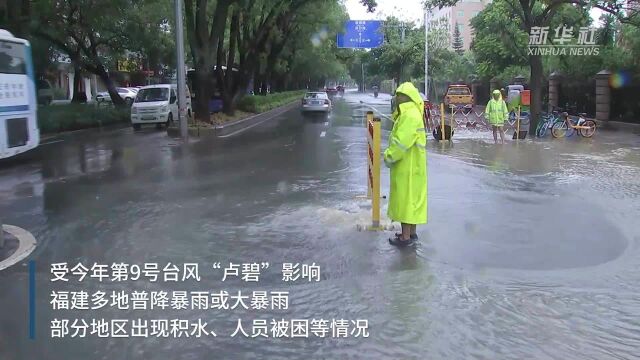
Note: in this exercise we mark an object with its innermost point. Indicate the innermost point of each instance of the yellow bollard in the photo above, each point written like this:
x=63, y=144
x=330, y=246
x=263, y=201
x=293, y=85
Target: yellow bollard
x=518, y=127
x=375, y=196
x=442, y=121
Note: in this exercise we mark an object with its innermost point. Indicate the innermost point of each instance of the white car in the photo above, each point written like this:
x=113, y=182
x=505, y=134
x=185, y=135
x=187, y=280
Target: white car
x=157, y=104
x=316, y=101
x=125, y=93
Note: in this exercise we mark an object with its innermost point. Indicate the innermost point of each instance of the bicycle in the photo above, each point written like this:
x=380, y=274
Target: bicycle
x=546, y=122
x=566, y=128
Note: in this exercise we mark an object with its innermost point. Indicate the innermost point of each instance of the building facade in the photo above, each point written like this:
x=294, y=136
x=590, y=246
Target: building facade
x=460, y=14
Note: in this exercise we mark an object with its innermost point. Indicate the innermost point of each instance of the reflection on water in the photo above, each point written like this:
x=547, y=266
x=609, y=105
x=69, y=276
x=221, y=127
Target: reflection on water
x=531, y=251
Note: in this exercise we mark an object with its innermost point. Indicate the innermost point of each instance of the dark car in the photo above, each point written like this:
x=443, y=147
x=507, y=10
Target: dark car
x=331, y=88
x=45, y=92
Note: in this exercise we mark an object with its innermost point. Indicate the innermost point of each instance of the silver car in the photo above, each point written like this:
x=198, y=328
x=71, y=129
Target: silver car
x=316, y=102
x=126, y=94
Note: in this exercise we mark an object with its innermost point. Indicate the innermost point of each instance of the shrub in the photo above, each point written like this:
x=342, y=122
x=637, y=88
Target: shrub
x=57, y=118
x=262, y=103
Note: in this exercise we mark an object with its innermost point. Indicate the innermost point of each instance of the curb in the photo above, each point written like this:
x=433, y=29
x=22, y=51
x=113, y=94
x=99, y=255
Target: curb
x=619, y=126
x=98, y=129
x=237, y=126
x=230, y=128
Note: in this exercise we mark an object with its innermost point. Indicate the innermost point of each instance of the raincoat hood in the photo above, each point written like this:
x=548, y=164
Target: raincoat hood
x=497, y=92
x=408, y=89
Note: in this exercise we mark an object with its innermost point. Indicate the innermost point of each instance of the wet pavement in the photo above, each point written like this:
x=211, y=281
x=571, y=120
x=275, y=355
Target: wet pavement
x=532, y=248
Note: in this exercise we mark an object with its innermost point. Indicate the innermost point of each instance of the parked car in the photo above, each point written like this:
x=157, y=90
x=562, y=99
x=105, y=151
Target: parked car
x=459, y=95
x=126, y=94
x=157, y=104
x=317, y=101
x=44, y=91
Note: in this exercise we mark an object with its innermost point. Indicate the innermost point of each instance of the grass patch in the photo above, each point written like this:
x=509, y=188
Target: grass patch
x=262, y=103
x=68, y=117
x=221, y=118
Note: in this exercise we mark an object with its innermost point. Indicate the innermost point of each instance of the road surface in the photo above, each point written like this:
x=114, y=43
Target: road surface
x=532, y=249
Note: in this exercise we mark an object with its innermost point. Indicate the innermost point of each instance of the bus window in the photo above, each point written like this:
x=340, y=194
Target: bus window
x=12, y=58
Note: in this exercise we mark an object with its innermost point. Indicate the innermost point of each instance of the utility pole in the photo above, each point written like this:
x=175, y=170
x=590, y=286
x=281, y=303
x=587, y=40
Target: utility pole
x=182, y=85
x=1, y=235
x=426, y=52
x=364, y=87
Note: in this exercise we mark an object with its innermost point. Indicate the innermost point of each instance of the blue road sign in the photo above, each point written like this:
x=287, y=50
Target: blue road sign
x=361, y=34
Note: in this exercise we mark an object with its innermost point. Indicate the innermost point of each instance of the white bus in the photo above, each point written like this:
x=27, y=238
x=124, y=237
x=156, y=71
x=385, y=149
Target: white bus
x=18, y=105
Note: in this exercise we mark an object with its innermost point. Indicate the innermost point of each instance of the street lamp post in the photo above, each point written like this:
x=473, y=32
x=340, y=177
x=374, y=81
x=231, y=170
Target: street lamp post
x=182, y=85
x=426, y=52
x=1, y=235
x=363, y=85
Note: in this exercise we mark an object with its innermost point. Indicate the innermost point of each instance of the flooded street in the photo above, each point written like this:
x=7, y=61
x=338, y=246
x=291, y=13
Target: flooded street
x=532, y=250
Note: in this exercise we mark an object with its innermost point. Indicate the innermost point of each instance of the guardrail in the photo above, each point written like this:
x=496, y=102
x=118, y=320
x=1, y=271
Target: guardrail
x=440, y=121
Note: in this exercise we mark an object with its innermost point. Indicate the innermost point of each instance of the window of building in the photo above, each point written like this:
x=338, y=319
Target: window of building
x=460, y=13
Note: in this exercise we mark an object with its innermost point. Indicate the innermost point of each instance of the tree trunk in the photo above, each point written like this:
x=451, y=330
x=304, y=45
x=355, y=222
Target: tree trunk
x=77, y=81
x=256, y=82
x=535, y=62
x=202, y=42
x=111, y=87
x=203, y=91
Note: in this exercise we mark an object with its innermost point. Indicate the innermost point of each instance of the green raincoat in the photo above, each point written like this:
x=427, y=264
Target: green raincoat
x=406, y=156
x=496, y=111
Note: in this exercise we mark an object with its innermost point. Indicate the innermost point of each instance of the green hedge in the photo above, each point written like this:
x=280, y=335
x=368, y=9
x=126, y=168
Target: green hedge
x=57, y=118
x=260, y=103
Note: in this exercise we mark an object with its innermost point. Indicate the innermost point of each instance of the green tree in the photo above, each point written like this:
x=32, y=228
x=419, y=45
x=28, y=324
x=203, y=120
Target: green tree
x=95, y=34
x=457, y=43
x=540, y=13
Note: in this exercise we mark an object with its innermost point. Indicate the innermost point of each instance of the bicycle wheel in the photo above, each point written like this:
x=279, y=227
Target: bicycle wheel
x=559, y=129
x=538, y=128
x=543, y=130
x=590, y=131
x=570, y=131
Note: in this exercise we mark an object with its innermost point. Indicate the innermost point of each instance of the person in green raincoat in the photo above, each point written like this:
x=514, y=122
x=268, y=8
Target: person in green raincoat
x=406, y=156
x=497, y=113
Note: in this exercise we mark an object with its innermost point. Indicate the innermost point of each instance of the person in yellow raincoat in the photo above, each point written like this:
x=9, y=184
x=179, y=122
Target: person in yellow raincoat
x=497, y=113
x=406, y=156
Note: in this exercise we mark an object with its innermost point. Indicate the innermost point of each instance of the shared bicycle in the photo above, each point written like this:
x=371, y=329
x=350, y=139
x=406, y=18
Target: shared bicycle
x=545, y=123
x=567, y=126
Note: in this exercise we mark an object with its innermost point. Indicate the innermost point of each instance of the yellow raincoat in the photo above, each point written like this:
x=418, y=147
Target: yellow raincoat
x=406, y=156
x=496, y=111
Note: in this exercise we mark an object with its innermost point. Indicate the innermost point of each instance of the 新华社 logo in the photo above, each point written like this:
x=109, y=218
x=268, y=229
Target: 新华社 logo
x=563, y=41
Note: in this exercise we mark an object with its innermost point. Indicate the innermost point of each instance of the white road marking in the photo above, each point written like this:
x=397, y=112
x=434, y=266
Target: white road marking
x=27, y=243
x=326, y=123
x=256, y=124
x=379, y=113
x=322, y=134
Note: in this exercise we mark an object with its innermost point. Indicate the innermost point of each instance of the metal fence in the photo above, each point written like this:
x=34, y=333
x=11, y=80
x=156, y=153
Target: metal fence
x=625, y=103
x=578, y=96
